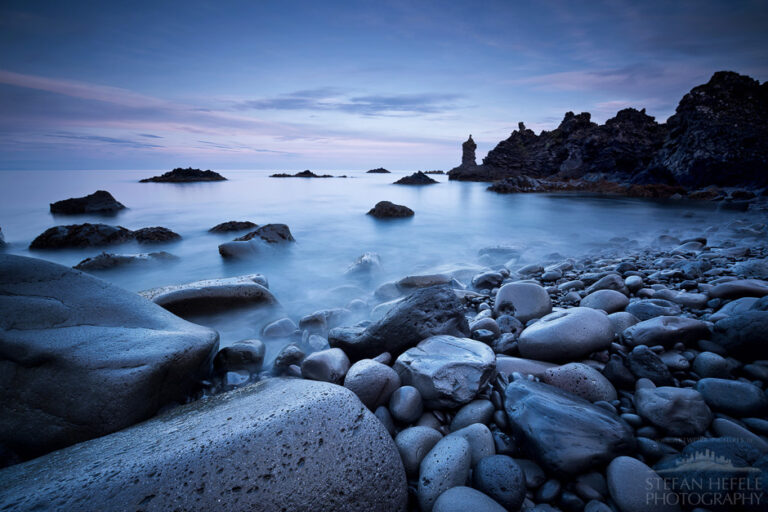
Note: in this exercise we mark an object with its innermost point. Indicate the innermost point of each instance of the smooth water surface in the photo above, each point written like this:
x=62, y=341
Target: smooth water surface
x=327, y=217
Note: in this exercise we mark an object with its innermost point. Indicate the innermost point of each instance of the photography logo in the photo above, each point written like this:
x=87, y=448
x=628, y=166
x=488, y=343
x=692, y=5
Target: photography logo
x=705, y=479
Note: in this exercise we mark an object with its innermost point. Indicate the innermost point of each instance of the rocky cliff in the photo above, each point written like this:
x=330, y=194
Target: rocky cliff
x=718, y=135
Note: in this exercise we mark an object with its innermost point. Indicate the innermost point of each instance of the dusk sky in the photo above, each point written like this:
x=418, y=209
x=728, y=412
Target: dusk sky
x=330, y=85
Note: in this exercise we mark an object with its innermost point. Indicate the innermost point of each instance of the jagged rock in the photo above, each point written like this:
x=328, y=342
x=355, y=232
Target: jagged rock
x=378, y=170
x=187, y=175
x=387, y=210
x=106, y=261
x=233, y=225
x=81, y=235
x=417, y=178
x=280, y=444
x=212, y=295
x=82, y=358
x=100, y=201
x=154, y=235
x=468, y=152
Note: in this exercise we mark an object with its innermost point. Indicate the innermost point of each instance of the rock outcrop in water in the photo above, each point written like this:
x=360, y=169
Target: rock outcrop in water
x=187, y=175
x=378, y=170
x=233, y=225
x=718, y=136
x=107, y=261
x=388, y=210
x=417, y=178
x=100, y=201
x=303, y=174
x=99, y=235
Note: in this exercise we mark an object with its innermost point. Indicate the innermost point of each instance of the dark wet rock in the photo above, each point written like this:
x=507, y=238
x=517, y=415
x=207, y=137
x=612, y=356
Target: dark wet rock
x=501, y=478
x=566, y=335
x=645, y=364
x=382, y=413
x=280, y=328
x=187, y=175
x=289, y=355
x=733, y=308
x=729, y=429
x=252, y=243
x=424, y=313
x=83, y=358
x=617, y=372
x=635, y=487
x=476, y=411
x=752, y=268
x=245, y=355
x=406, y=404
x=709, y=364
x=609, y=282
x=563, y=432
x=446, y=465
x=100, y=201
x=2, y=238
x=155, y=235
x=507, y=365
x=480, y=439
x=387, y=210
x=81, y=235
x=447, y=371
x=609, y=301
x=461, y=499
x=666, y=330
x=650, y=308
x=249, y=449
x=678, y=411
x=329, y=365
x=740, y=288
x=413, y=444
x=233, y=225
x=409, y=283
x=733, y=397
x=212, y=295
x=371, y=381
x=417, y=178
x=378, y=170
x=303, y=174
x=581, y=380
x=744, y=335
x=622, y=320
x=106, y=261
x=524, y=301
x=364, y=266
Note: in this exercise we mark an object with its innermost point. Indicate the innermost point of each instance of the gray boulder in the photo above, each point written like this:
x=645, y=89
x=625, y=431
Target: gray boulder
x=581, y=380
x=635, y=487
x=524, y=301
x=372, y=382
x=81, y=358
x=388, y=210
x=81, y=235
x=650, y=308
x=280, y=444
x=447, y=371
x=212, y=295
x=666, y=330
x=329, y=365
x=566, y=335
x=679, y=411
x=740, y=288
x=255, y=241
x=744, y=335
x=107, y=261
x=413, y=444
x=446, y=465
x=563, y=432
x=424, y=313
x=609, y=301
x=462, y=498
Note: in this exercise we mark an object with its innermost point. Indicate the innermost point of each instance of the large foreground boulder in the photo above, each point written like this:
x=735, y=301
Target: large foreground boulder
x=100, y=201
x=277, y=445
x=424, y=313
x=212, y=295
x=80, y=358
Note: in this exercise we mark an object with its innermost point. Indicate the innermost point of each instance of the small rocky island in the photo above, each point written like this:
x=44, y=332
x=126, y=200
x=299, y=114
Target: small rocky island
x=303, y=174
x=417, y=178
x=378, y=170
x=187, y=175
x=100, y=201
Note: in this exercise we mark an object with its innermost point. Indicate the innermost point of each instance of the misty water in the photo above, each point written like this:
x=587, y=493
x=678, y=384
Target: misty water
x=327, y=217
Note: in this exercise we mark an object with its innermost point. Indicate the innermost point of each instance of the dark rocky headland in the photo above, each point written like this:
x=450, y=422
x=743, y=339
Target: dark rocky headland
x=718, y=136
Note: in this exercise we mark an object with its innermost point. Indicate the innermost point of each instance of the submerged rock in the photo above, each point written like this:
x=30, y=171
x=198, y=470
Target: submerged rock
x=417, y=178
x=252, y=243
x=106, y=261
x=100, y=201
x=212, y=295
x=280, y=444
x=83, y=358
x=186, y=175
x=387, y=210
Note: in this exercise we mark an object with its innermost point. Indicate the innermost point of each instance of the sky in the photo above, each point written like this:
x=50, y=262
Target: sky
x=337, y=85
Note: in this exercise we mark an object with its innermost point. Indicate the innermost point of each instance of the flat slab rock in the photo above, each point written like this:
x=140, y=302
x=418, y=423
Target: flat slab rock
x=280, y=444
x=81, y=358
x=212, y=295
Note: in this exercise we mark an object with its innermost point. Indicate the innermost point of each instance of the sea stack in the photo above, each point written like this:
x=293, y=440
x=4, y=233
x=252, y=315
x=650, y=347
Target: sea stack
x=468, y=153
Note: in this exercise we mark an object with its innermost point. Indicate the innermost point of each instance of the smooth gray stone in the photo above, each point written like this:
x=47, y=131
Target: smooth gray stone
x=476, y=411
x=446, y=465
x=409, y=283
x=414, y=443
x=609, y=301
x=289, y=355
x=709, y=364
x=524, y=301
x=734, y=307
x=382, y=413
x=480, y=439
x=243, y=355
x=581, y=380
x=212, y=295
x=740, y=288
x=744, y=335
x=406, y=404
x=501, y=478
x=679, y=411
x=632, y=485
x=82, y=358
x=507, y=365
x=566, y=335
x=277, y=444
x=651, y=308
x=666, y=330
x=329, y=365
x=463, y=499
x=107, y=261
x=447, y=371
x=424, y=313
x=685, y=299
x=645, y=364
x=549, y=491
x=563, y=432
x=534, y=475
x=621, y=320
x=610, y=282
x=372, y=382
x=486, y=323
x=282, y=328
x=733, y=397
x=633, y=283
x=728, y=429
